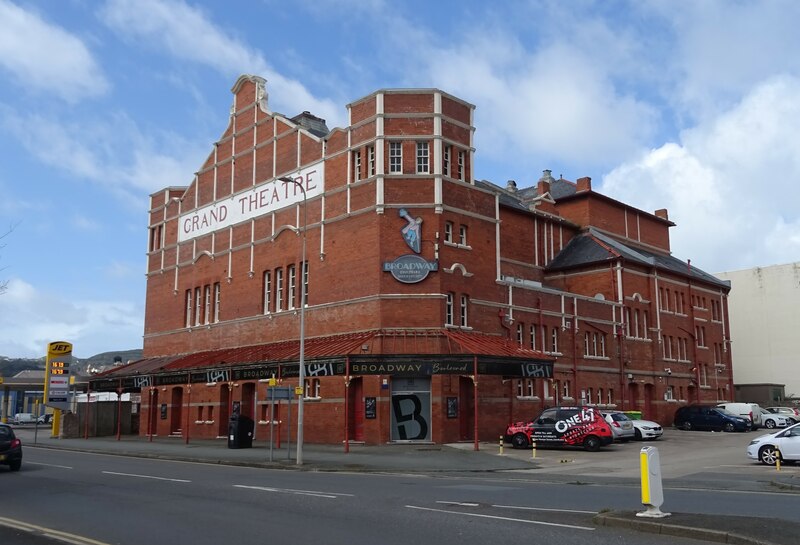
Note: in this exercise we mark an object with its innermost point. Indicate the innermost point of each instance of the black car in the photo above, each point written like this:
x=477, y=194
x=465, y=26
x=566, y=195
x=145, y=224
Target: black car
x=709, y=417
x=10, y=448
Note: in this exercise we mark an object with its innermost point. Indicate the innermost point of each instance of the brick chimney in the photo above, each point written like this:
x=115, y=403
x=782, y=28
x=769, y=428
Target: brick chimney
x=584, y=184
x=543, y=185
x=662, y=213
x=511, y=186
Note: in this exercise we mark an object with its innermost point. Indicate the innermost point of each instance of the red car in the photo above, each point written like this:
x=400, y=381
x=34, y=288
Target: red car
x=562, y=426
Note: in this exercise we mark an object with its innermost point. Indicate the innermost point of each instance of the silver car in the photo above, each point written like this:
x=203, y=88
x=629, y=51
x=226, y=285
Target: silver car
x=621, y=426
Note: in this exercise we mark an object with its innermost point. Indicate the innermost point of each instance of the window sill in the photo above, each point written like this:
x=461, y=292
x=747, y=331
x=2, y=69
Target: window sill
x=456, y=245
x=601, y=358
x=528, y=398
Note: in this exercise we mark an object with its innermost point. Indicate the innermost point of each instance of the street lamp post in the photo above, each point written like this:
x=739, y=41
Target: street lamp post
x=302, y=377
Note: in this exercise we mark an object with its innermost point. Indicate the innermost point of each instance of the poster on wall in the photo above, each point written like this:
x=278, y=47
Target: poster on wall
x=163, y=411
x=370, y=406
x=452, y=407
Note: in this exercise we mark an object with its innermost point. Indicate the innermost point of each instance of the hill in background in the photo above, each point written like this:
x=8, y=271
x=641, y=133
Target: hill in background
x=82, y=366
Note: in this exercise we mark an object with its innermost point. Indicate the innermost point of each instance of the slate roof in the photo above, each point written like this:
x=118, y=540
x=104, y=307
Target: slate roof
x=594, y=247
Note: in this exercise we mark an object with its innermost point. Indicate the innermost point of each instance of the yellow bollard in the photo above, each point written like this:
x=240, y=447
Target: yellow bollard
x=501, y=445
x=533, y=450
x=777, y=459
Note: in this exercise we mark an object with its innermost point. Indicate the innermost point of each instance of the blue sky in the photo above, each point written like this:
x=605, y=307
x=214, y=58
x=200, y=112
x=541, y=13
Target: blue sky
x=689, y=106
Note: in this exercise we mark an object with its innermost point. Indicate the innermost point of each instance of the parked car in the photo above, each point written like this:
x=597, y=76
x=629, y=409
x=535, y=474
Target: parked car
x=745, y=410
x=46, y=418
x=647, y=429
x=24, y=418
x=10, y=448
x=709, y=417
x=562, y=426
x=772, y=421
x=784, y=444
x=621, y=426
x=789, y=412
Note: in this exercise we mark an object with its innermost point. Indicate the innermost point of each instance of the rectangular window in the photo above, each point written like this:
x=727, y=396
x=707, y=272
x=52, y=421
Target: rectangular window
x=460, y=172
x=312, y=388
x=291, y=292
x=216, y=302
x=464, y=301
x=555, y=340
x=423, y=158
x=462, y=235
x=520, y=334
x=599, y=396
x=207, y=311
x=200, y=413
x=371, y=160
x=278, y=290
x=395, y=158
x=533, y=337
x=188, y=321
x=546, y=389
x=448, y=313
x=198, y=306
x=356, y=165
x=610, y=395
x=448, y=231
x=304, y=300
x=566, y=388
x=668, y=394
x=446, y=161
x=267, y=291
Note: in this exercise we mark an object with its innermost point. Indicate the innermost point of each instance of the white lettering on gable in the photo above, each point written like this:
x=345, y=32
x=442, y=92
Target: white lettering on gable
x=243, y=206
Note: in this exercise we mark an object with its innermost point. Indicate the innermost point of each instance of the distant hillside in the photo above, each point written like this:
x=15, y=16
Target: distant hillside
x=83, y=366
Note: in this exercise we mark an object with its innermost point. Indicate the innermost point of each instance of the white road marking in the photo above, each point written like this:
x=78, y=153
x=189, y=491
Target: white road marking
x=501, y=518
x=330, y=495
x=48, y=465
x=146, y=477
x=546, y=509
x=49, y=532
x=462, y=504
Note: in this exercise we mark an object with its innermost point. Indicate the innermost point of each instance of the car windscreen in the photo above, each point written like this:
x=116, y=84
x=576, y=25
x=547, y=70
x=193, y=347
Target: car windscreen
x=619, y=417
x=6, y=433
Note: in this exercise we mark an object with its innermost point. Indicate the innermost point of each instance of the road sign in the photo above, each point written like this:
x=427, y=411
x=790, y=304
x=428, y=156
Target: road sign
x=277, y=393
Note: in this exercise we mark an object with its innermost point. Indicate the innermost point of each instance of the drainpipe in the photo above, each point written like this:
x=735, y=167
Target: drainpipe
x=475, y=397
x=119, y=409
x=346, y=404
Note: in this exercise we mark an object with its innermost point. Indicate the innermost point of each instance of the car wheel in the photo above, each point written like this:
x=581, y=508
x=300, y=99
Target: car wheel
x=688, y=426
x=769, y=424
x=520, y=440
x=15, y=465
x=729, y=427
x=591, y=443
x=768, y=455
x=638, y=434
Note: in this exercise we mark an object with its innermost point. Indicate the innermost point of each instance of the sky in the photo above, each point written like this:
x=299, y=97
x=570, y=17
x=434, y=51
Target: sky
x=684, y=105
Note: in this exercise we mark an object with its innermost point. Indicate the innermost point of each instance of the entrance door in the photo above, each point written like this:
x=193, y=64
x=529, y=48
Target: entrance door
x=177, y=410
x=224, y=410
x=355, y=405
x=153, y=411
x=466, y=408
x=411, y=409
x=649, y=392
x=248, y=400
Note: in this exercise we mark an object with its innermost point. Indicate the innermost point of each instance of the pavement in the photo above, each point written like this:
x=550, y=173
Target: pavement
x=456, y=458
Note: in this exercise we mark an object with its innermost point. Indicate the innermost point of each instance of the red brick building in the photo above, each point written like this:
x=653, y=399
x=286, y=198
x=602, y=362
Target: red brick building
x=438, y=307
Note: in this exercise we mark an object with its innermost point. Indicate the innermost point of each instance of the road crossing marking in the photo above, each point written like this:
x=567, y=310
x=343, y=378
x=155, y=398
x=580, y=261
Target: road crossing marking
x=546, y=509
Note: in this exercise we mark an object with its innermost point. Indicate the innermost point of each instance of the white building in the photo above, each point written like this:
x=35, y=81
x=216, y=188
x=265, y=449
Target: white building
x=764, y=311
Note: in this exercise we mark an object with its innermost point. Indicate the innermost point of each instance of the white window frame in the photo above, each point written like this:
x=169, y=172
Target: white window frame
x=198, y=308
x=216, y=301
x=304, y=300
x=448, y=311
x=462, y=235
x=448, y=231
x=267, y=292
x=278, y=289
x=461, y=157
x=189, y=315
x=446, y=161
x=423, y=158
x=207, y=295
x=371, y=160
x=291, y=286
x=464, y=302
x=356, y=166
x=395, y=157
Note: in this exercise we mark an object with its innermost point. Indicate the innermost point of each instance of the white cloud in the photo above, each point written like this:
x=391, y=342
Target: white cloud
x=730, y=184
x=112, y=152
x=46, y=57
x=187, y=34
x=32, y=318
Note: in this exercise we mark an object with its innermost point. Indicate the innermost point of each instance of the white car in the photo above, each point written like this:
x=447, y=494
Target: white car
x=772, y=421
x=784, y=444
x=647, y=429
